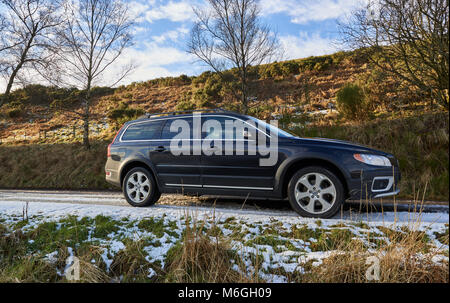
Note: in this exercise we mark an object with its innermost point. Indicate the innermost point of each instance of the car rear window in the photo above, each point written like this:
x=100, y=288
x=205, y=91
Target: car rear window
x=142, y=131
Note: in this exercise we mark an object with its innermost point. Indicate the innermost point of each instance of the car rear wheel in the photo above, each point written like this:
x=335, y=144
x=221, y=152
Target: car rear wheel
x=315, y=192
x=139, y=188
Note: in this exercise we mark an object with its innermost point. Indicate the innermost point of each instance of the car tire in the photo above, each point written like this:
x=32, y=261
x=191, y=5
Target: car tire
x=315, y=192
x=139, y=188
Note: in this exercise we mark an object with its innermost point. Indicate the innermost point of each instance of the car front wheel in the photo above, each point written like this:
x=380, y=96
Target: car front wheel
x=315, y=192
x=139, y=188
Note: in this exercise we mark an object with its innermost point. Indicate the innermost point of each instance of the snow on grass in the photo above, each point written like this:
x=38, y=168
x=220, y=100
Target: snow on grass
x=283, y=242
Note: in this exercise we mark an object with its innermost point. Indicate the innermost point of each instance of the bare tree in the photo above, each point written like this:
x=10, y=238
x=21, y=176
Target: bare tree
x=229, y=34
x=407, y=38
x=3, y=25
x=93, y=38
x=26, y=35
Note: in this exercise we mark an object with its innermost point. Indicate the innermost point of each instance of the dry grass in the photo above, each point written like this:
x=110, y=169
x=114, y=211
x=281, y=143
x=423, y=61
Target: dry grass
x=62, y=166
x=406, y=257
x=202, y=257
x=131, y=264
x=204, y=254
x=400, y=262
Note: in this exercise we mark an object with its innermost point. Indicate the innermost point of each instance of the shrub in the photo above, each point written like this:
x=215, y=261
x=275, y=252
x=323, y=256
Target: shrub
x=13, y=109
x=351, y=101
x=168, y=81
x=123, y=114
x=273, y=70
x=98, y=91
x=14, y=112
x=289, y=68
x=186, y=103
x=202, y=78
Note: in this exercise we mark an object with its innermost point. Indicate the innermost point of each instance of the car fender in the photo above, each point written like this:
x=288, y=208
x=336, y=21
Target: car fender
x=313, y=155
x=142, y=159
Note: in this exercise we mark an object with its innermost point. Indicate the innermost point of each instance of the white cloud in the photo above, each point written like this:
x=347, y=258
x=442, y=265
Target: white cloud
x=305, y=45
x=140, y=30
x=137, y=10
x=173, y=35
x=173, y=11
x=152, y=61
x=304, y=11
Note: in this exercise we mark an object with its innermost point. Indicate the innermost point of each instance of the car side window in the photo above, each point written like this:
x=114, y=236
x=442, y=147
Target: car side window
x=182, y=122
x=142, y=131
x=211, y=128
x=214, y=128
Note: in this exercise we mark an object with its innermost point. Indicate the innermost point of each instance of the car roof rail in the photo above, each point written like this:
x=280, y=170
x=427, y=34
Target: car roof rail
x=183, y=112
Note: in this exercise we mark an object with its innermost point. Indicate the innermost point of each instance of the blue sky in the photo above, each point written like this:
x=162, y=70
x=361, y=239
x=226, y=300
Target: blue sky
x=304, y=27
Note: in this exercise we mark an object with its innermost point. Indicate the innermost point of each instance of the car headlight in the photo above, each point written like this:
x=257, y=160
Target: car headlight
x=372, y=159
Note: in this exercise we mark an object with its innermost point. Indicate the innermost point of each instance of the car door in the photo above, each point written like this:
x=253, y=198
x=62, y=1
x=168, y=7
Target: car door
x=177, y=170
x=238, y=169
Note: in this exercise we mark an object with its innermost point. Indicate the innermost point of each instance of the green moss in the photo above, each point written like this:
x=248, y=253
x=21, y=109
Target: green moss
x=361, y=225
x=332, y=240
x=155, y=226
x=267, y=240
x=105, y=226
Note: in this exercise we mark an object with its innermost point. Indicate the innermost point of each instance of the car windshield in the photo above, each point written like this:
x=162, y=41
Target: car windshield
x=273, y=129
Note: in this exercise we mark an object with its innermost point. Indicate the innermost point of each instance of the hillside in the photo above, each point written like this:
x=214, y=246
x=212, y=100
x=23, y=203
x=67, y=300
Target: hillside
x=311, y=83
x=39, y=127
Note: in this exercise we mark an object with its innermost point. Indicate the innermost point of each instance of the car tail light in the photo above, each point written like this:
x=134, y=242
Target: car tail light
x=109, y=146
x=109, y=150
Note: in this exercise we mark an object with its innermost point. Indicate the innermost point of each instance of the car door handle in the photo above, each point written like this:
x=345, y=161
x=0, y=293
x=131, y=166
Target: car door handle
x=160, y=149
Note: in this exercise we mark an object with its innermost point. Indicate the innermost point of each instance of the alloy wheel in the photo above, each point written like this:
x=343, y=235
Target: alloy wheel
x=315, y=193
x=138, y=187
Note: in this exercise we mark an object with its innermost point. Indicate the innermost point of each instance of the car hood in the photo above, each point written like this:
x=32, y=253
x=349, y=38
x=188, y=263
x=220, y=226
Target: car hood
x=333, y=143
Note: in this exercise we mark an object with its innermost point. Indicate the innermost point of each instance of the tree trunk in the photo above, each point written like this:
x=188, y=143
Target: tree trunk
x=23, y=57
x=244, y=91
x=86, y=126
x=442, y=98
x=10, y=84
x=86, y=116
x=244, y=100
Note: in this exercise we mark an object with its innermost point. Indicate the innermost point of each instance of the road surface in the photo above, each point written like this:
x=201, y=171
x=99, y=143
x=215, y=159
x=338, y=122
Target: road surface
x=353, y=210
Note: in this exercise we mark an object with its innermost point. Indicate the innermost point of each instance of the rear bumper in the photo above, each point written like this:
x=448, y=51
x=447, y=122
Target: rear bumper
x=113, y=181
x=111, y=173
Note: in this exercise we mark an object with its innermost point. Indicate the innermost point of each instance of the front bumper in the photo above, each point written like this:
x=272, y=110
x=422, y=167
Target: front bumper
x=375, y=184
x=389, y=194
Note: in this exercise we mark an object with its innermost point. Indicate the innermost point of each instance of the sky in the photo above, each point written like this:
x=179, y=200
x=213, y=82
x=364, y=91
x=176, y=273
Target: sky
x=304, y=28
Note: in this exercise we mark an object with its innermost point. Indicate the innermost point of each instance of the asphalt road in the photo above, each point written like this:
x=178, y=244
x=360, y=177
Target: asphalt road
x=116, y=199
